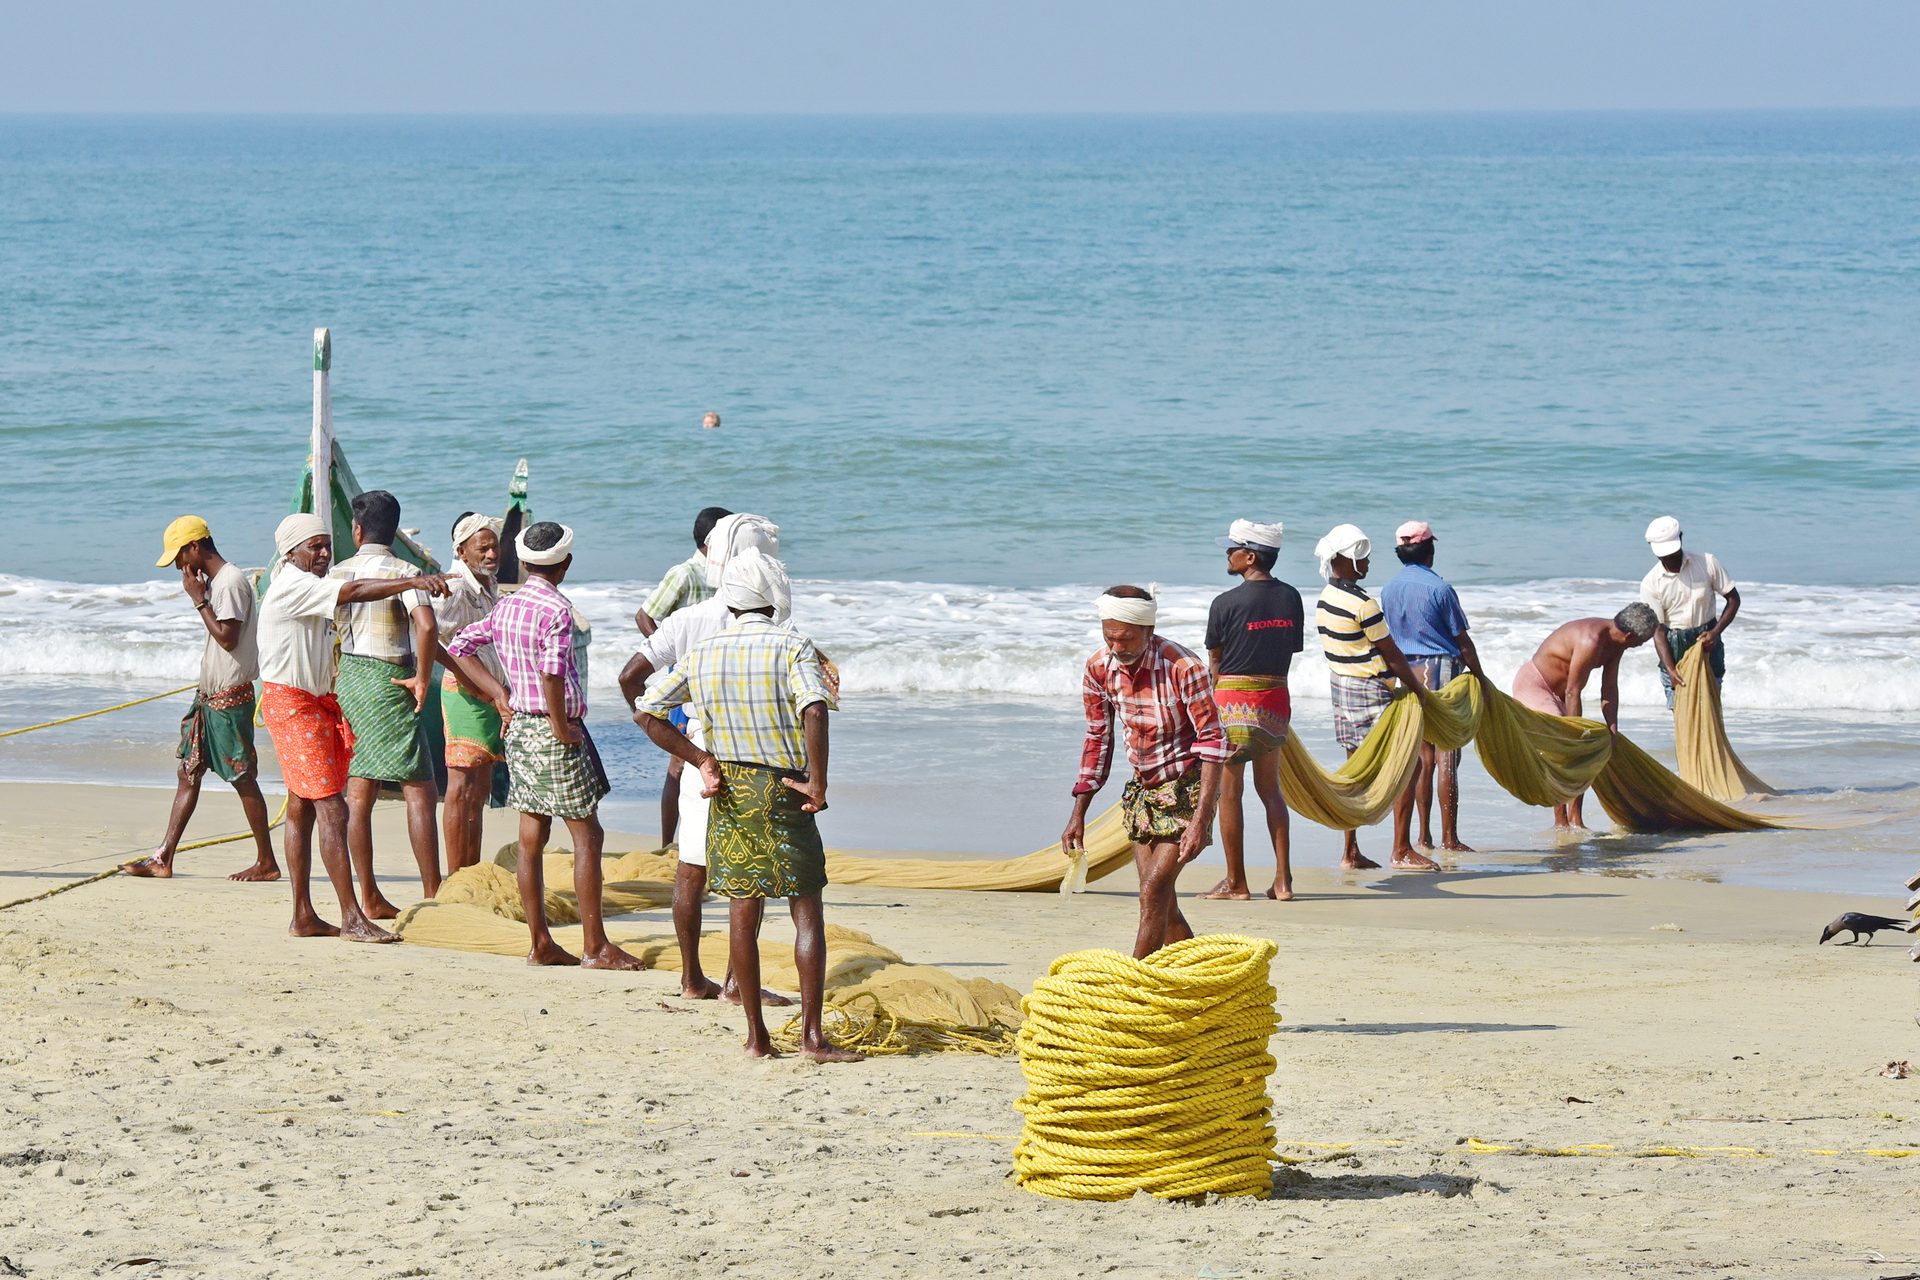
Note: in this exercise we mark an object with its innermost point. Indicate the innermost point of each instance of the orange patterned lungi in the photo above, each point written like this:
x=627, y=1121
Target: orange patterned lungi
x=311, y=737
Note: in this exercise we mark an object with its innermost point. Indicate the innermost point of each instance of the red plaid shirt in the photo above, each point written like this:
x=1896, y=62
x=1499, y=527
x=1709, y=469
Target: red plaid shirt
x=1166, y=703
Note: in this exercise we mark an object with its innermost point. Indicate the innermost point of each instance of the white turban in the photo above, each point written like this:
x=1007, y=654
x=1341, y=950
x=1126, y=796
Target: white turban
x=755, y=580
x=733, y=534
x=1250, y=533
x=1342, y=540
x=296, y=529
x=1134, y=612
x=472, y=524
x=552, y=555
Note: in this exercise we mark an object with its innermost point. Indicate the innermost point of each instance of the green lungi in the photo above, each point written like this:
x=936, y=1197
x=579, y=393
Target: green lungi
x=760, y=842
x=472, y=728
x=549, y=777
x=217, y=734
x=389, y=743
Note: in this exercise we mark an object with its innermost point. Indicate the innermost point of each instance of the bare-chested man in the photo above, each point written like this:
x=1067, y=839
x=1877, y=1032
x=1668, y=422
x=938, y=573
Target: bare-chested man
x=1161, y=695
x=1552, y=680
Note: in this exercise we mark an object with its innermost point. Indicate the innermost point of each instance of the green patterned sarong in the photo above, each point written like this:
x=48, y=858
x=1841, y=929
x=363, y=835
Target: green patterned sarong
x=389, y=744
x=760, y=842
x=217, y=734
x=550, y=777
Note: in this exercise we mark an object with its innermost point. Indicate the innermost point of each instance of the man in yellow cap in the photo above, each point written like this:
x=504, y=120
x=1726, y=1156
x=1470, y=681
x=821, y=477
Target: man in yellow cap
x=217, y=731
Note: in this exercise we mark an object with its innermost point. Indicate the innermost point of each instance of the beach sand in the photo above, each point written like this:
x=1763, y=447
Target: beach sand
x=181, y=1082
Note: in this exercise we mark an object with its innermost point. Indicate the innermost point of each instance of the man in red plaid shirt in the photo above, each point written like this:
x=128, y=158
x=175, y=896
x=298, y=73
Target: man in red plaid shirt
x=1163, y=695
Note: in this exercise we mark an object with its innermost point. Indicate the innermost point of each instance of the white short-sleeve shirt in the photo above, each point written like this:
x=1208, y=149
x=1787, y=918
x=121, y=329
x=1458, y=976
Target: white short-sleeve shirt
x=296, y=630
x=1686, y=598
x=230, y=599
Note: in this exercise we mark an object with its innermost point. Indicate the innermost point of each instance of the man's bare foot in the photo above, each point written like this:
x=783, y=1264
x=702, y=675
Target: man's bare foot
x=149, y=868
x=1408, y=860
x=612, y=957
x=378, y=908
x=761, y=1048
x=707, y=990
x=311, y=927
x=1426, y=841
x=1281, y=892
x=821, y=1051
x=1228, y=891
x=258, y=872
x=1358, y=862
x=1454, y=846
x=367, y=931
x=551, y=952
x=771, y=999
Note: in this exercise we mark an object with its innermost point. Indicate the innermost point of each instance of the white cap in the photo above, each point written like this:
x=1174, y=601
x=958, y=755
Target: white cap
x=1342, y=540
x=1663, y=535
x=1249, y=533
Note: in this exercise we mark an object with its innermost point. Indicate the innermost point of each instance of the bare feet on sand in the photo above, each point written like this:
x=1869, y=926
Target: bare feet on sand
x=707, y=990
x=1228, y=891
x=378, y=908
x=1408, y=860
x=258, y=872
x=612, y=957
x=550, y=952
x=149, y=868
x=367, y=931
x=1281, y=892
x=760, y=1047
x=1454, y=846
x=772, y=999
x=1358, y=862
x=311, y=927
x=821, y=1051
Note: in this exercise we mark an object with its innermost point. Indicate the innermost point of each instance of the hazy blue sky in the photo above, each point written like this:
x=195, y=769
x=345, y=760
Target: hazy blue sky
x=954, y=55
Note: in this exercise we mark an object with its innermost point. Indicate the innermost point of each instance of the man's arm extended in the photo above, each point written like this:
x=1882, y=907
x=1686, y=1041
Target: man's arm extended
x=362, y=590
x=1610, y=692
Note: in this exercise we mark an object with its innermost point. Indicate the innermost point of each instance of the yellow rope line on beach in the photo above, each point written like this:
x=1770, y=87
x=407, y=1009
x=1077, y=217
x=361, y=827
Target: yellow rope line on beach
x=88, y=715
x=1481, y=1147
x=1149, y=1075
x=878, y=1032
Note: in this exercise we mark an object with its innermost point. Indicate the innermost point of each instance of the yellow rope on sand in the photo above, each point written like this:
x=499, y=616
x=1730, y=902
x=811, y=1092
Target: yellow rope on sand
x=88, y=715
x=1150, y=1075
x=875, y=1031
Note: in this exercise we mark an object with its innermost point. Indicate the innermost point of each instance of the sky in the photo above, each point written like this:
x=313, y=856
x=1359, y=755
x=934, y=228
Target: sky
x=962, y=56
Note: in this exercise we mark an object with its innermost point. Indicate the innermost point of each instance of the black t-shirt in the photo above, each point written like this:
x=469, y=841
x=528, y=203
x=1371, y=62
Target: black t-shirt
x=1257, y=626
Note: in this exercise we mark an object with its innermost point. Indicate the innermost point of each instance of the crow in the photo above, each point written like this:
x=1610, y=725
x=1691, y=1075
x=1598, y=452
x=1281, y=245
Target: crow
x=1857, y=923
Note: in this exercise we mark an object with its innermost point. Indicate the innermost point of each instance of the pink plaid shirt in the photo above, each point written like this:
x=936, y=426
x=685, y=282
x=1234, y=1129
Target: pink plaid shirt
x=532, y=632
x=1166, y=704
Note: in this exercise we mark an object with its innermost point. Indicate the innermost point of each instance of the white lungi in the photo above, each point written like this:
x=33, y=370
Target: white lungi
x=693, y=806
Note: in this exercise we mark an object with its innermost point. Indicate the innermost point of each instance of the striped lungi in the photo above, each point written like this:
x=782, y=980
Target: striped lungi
x=389, y=743
x=1435, y=670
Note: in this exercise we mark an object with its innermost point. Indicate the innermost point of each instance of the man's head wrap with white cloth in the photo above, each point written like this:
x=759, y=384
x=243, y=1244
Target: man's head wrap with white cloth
x=547, y=557
x=296, y=529
x=473, y=522
x=1252, y=536
x=1128, y=609
x=733, y=534
x=1342, y=540
x=755, y=580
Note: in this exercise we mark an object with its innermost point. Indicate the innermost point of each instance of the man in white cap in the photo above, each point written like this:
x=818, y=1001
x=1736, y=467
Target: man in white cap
x=1162, y=696
x=475, y=740
x=310, y=735
x=1680, y=590
x=217, y=732
x=1253, y=631
x=1361, y=659
x=757, y=690
x=1430, y=628
x=552, y=767
x=675, y=637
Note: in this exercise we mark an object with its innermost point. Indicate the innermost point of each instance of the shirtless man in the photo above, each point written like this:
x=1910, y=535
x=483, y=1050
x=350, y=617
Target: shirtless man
x=1552, y=680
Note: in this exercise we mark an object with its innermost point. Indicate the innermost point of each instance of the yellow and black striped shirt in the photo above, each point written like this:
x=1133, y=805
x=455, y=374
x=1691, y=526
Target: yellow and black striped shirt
x=1351, y=627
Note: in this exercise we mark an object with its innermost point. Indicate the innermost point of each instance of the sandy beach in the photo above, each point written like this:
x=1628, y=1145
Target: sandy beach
x=187, y=1092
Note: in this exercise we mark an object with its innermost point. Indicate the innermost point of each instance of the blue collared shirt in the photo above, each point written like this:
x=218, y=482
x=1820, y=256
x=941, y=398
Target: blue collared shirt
x=1423, y=613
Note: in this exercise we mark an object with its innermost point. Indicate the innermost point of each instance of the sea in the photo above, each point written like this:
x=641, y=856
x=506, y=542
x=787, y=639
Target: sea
x=979, y=368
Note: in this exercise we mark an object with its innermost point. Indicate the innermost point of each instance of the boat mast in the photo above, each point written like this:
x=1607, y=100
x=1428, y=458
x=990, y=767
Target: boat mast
x=322, y=459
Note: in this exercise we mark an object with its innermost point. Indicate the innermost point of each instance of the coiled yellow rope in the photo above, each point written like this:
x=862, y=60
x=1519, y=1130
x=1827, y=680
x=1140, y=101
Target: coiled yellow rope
x=1150, y=1075
x=877, y=1032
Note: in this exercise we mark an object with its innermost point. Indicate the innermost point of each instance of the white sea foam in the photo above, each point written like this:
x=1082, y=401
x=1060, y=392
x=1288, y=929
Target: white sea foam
x=1795, y=648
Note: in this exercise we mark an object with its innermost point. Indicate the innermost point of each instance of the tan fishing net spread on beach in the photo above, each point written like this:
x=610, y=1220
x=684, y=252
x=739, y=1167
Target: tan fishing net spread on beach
x=1707, y=759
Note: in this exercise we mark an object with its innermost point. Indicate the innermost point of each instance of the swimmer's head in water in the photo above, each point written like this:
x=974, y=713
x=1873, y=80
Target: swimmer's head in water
x=711, y=421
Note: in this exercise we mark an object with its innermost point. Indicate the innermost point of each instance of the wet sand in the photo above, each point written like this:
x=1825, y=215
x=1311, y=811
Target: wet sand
x=180, y=1081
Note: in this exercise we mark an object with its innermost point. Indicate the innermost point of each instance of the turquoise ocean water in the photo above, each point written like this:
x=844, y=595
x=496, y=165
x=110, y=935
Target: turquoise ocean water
x=976, y=368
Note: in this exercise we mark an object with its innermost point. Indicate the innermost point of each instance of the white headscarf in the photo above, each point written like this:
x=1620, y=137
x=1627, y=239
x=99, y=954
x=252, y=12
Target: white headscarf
x=1133, y=612
x=1342, y=540
x=755, y=580
x=296, y=529
x=552, y=555
x=472, y=524
x=733, y=534
x=1251, y=533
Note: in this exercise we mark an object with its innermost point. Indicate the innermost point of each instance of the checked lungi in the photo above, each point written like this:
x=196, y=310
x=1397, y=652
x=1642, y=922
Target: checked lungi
x=550, y=777
x=1358, y=702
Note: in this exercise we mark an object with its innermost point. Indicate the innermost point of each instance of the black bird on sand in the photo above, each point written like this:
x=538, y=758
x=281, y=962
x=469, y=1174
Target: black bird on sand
x=1857, y=923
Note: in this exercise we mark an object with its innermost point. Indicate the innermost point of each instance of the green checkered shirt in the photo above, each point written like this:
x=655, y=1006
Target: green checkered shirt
x=682, y=585
x=747, y=686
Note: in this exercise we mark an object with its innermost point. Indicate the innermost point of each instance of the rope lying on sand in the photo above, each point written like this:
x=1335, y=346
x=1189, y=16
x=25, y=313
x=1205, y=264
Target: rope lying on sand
x=1150, y=1075
x=877, y=1031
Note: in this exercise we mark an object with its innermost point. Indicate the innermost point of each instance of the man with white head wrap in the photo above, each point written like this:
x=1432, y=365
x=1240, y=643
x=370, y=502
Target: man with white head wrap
x=1162, y=696
x=553, y=770
x=475, y=742
x=1361, y=656
x=671, y=641
x=310, y=735
x=1253, y=632
x=758, y=692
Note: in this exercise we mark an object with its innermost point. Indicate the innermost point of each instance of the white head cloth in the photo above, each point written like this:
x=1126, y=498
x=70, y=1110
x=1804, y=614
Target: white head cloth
x=733, y=534
x=1251, y=533
x=473, y=524
x=552, y=555
x=1342, y=540
x=296, y=529
x=755, y=580
x=1137, y=613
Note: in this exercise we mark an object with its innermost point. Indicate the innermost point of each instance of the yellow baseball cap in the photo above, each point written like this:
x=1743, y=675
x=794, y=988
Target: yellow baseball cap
x=186, y=529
